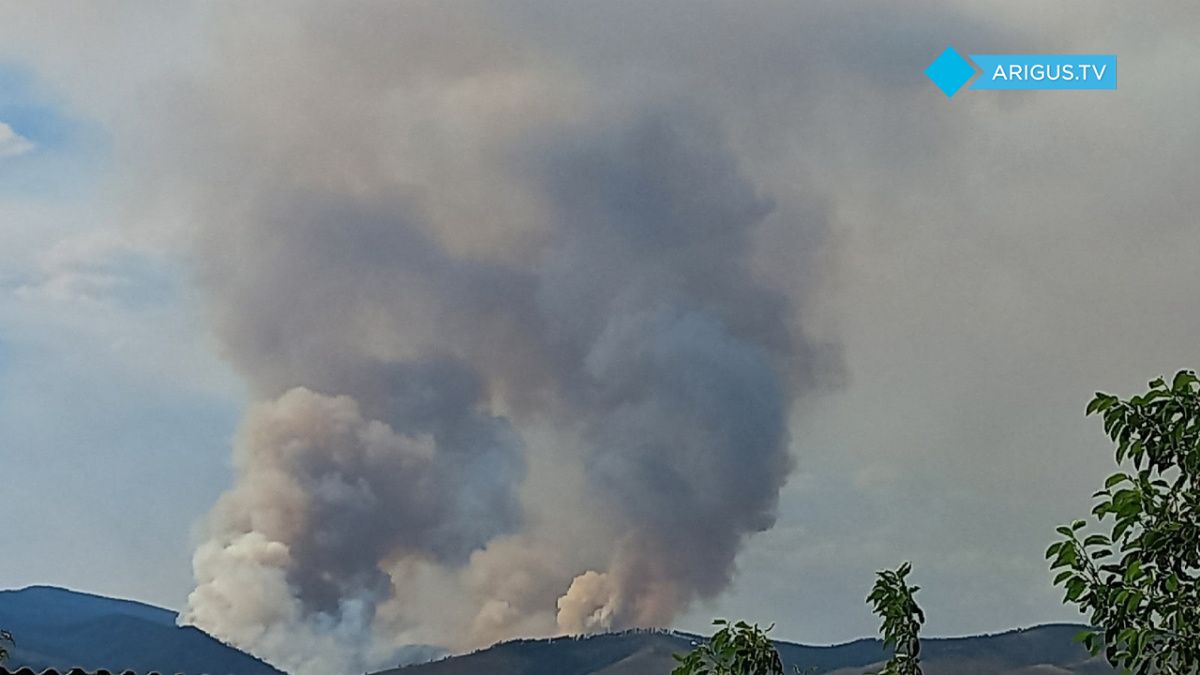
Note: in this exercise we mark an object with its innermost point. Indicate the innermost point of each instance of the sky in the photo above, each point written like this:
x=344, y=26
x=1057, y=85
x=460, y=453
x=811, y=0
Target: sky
x=960, y=275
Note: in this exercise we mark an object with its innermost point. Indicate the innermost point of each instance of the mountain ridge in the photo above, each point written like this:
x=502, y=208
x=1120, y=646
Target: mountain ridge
x=61, y=628
x=1047, y=649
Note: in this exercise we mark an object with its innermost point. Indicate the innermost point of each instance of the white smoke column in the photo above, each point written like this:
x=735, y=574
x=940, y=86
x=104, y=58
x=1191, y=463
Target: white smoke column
x=423, y=252
x=323, y=495
x=589, y=604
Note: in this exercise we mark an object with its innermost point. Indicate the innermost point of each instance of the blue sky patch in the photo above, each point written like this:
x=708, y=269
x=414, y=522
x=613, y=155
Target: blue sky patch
x=69, y=150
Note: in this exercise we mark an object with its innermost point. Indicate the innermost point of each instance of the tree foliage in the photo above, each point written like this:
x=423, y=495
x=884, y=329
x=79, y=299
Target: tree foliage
x=735, y=649
x=893, y=600
x=5, y=637
x=1140, y=582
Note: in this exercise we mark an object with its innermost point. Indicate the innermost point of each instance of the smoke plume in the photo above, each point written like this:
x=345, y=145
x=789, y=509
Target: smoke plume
x=517, y=370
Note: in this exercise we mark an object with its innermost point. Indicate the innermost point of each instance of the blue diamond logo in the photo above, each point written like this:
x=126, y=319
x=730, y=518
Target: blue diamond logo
x=950, y=71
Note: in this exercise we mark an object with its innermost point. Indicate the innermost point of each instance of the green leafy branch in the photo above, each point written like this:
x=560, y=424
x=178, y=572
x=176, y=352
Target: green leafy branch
x=893, y=600
x=735, y=649
x=1140, y=581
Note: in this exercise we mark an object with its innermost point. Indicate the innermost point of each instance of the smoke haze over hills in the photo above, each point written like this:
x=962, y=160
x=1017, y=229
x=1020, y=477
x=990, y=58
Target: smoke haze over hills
x=537, y=317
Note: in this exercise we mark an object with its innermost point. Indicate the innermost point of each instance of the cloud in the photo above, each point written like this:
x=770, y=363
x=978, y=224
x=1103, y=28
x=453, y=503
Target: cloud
x=13, y=144
x=98, y=267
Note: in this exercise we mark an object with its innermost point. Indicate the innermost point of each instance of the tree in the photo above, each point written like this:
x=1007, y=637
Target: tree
x=5, y=636
x=735, y=649
x=1141, y=581
x=894, y=602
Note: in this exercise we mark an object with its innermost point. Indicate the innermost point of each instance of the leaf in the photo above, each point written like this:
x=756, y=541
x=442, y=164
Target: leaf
x=1183, y=379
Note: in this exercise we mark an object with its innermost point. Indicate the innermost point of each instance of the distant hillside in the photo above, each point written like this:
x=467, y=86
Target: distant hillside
x=1044, y=650
x=58, y=628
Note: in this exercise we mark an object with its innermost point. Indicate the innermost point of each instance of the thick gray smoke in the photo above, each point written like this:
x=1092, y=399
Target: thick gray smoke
x=677, y=366
x=518, y=372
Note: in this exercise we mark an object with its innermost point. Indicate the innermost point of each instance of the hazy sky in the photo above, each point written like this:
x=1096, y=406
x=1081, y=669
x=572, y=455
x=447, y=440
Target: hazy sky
x=976, y=267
